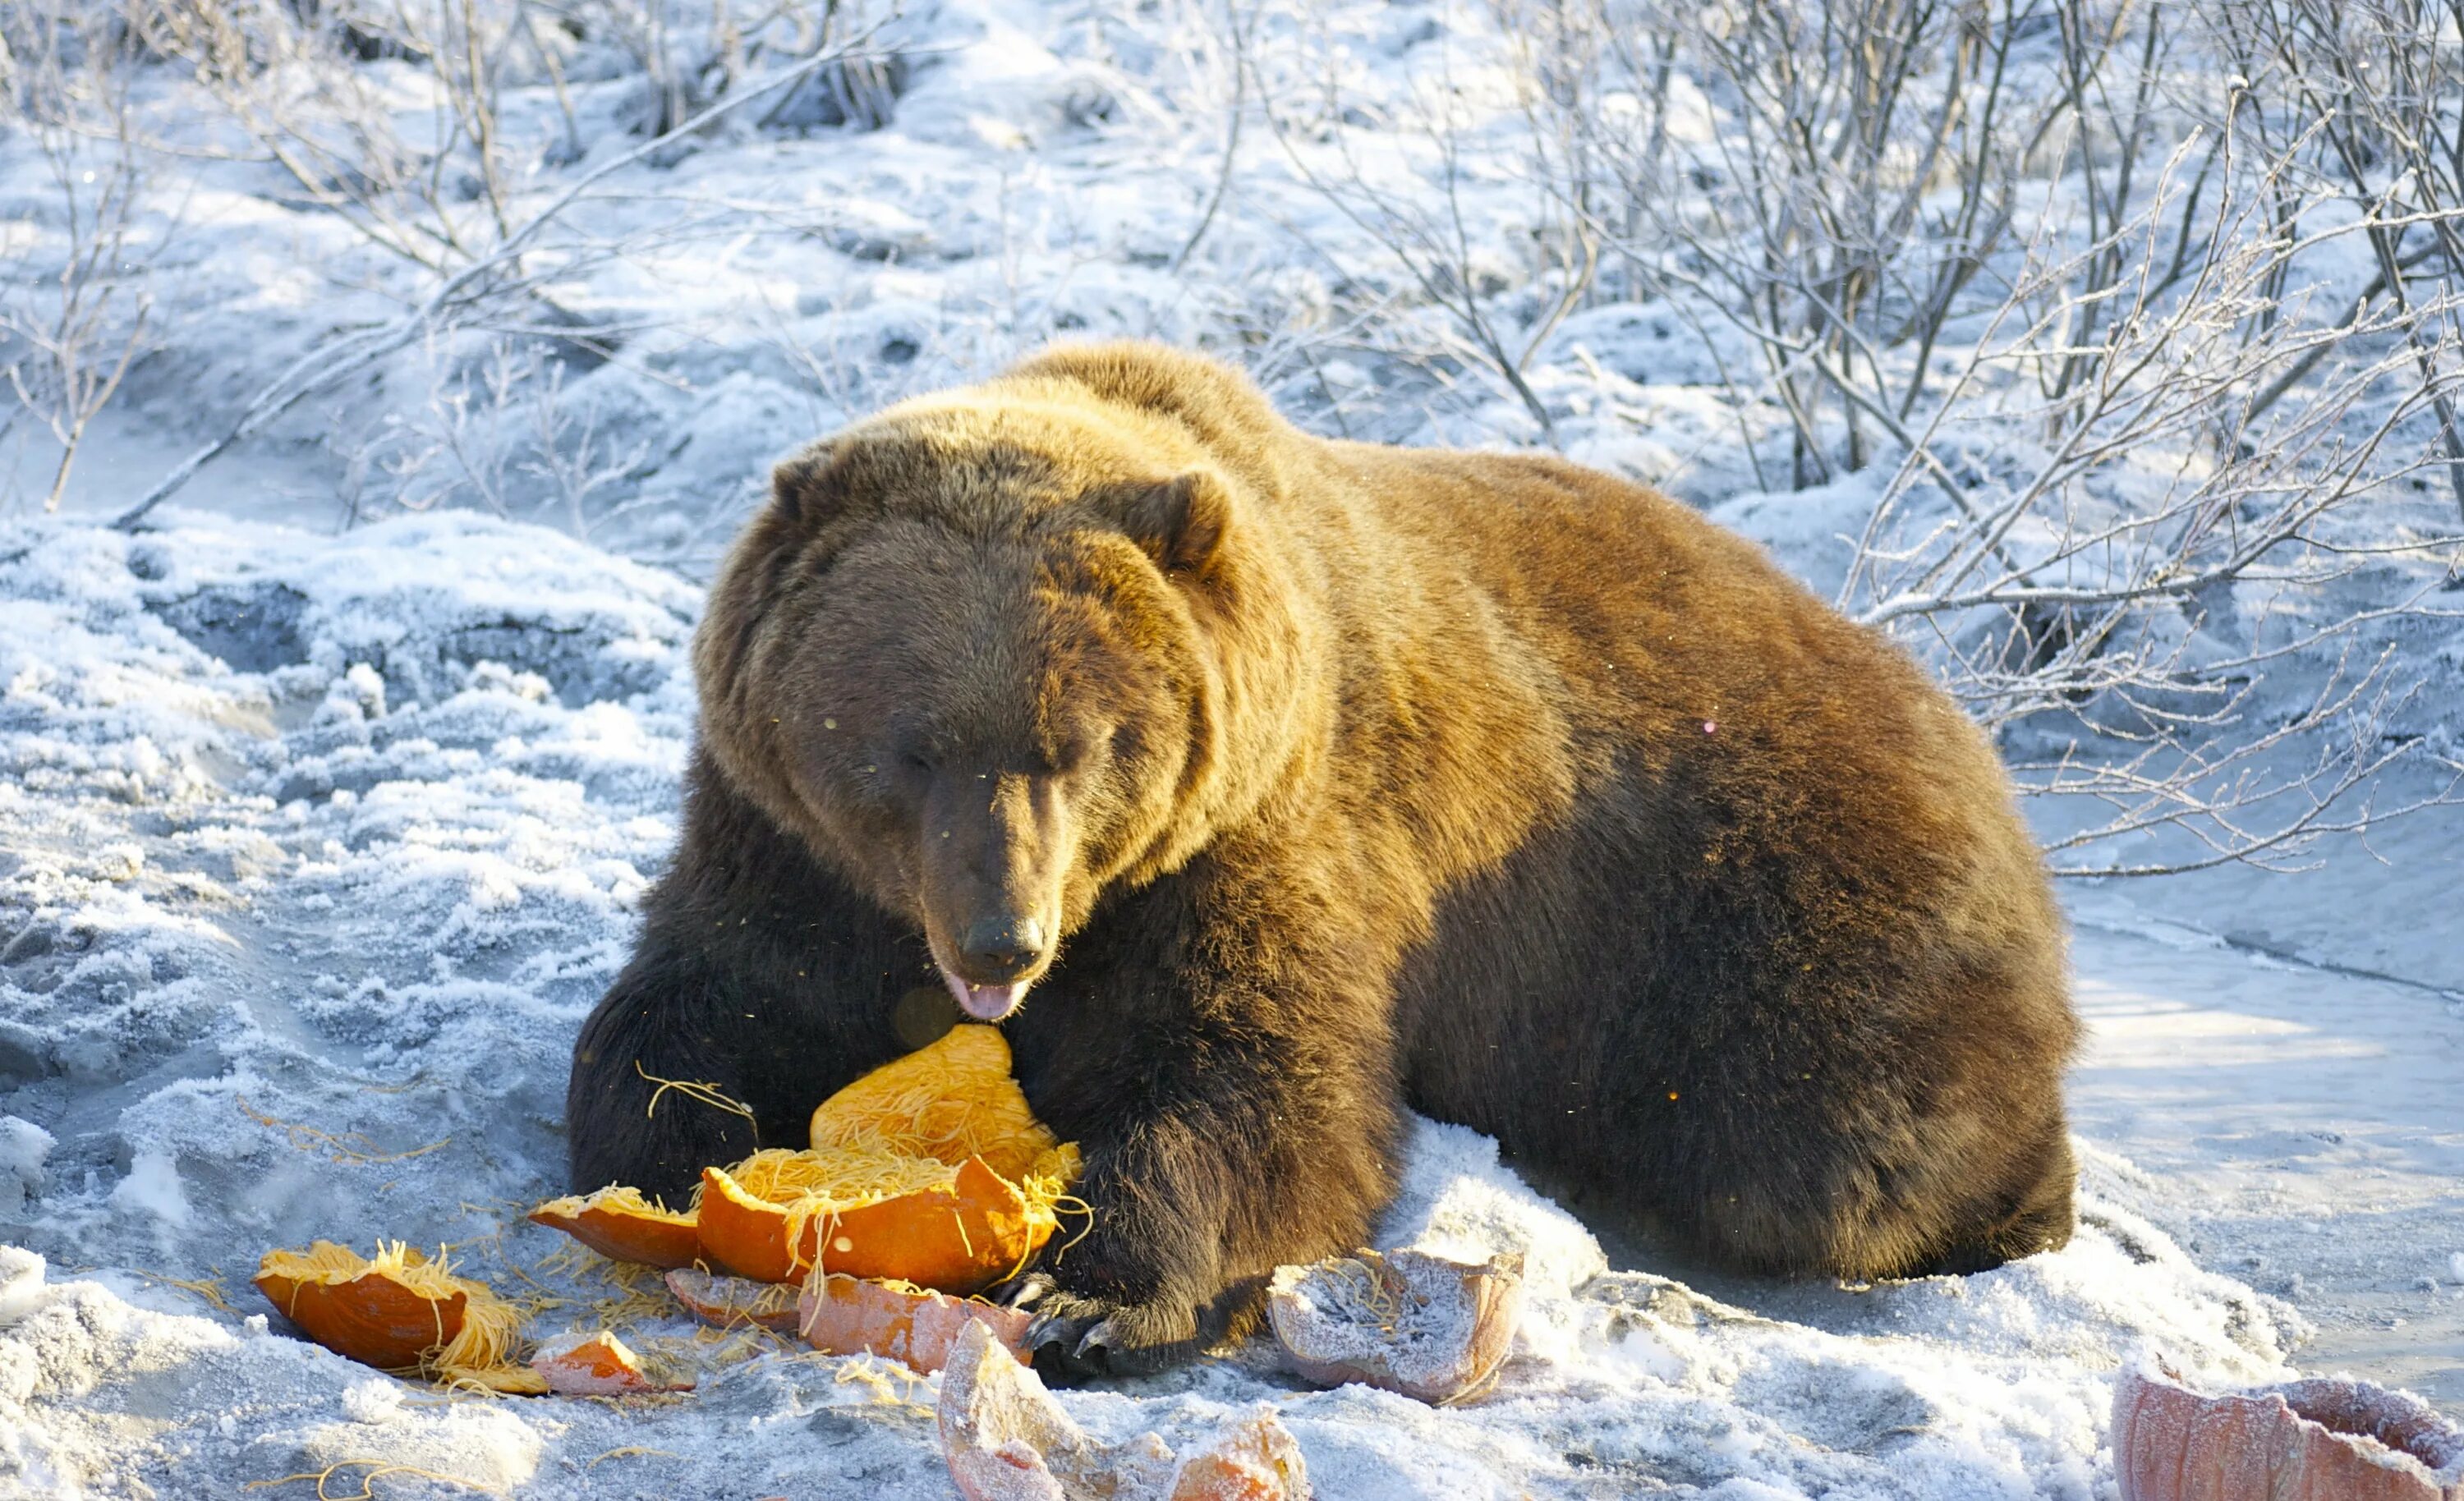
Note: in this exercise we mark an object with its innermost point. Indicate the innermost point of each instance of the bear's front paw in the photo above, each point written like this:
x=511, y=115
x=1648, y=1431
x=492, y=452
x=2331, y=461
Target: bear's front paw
x=1074, y=1335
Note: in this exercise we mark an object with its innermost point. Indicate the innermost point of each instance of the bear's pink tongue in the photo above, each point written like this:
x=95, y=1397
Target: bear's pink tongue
x=984, y=1002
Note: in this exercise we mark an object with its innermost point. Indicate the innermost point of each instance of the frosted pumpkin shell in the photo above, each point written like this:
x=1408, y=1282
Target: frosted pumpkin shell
x=2331, y=1440
x=898, y=1320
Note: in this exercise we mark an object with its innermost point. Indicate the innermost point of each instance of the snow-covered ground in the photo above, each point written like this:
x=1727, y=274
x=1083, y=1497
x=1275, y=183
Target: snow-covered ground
x=317, y=849
x=324, y=805
x=2299, y=1128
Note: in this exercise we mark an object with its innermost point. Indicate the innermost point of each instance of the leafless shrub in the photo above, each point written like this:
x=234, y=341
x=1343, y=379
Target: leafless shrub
x=77, y=312
x=2369, y=99
x=501, y=431
x=691, y=55
x=486, y=270
x=1498, y=299
x=2063, y=290
x=431, y=185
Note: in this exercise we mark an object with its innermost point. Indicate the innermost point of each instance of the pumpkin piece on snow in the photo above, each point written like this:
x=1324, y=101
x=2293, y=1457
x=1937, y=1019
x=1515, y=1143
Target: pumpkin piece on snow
x=727, y=1303
x=932, y=1169
x=599, y=1364
x=1257, y=1460
x=620, y=1224
x=1404, y=1321
x=1007, y=1439
x=847, y=1316
x=2317, y=1440
x=398, y=1312
x=870, y=1213
x=949, y=1100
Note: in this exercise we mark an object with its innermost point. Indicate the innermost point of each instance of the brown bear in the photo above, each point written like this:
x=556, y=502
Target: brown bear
x=1262, y=786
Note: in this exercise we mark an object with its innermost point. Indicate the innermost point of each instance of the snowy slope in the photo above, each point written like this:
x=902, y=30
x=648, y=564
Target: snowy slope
x=317, y=852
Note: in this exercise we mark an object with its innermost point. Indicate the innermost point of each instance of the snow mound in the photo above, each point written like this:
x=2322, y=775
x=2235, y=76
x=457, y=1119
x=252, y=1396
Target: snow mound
x=313, y=851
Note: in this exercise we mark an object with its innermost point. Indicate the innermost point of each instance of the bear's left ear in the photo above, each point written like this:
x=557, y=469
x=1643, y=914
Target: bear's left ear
x=806, y=488
x=1179, y=521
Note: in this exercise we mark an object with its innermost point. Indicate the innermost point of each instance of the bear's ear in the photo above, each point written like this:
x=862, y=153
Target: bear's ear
x=1179, y=521
x=807, y=489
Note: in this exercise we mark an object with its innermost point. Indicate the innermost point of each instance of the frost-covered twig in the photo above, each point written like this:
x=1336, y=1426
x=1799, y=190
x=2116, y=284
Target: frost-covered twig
x=69, y=332
x=327, y=364
x=1429, y=232
x=2055, y=278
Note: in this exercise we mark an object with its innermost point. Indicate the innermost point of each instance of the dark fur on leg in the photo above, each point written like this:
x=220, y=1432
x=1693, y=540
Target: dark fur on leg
x=1229, y=1122
x=758, y=974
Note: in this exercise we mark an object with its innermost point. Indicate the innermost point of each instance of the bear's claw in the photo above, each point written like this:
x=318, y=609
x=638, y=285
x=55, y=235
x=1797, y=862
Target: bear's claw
x=1083, y=1336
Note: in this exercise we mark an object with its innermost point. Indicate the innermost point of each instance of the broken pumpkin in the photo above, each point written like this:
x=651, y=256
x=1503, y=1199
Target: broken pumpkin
x=599, y=1364
x=898, y=1320
x=949, y=1100
x=931, y=1169
x=1006, y=1438
x=399, y=1311
x=778, y=1214
x=726, y=1302
x=620, y=1224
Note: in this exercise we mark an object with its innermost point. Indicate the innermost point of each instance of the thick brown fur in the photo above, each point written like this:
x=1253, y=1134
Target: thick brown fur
x=1346, y=777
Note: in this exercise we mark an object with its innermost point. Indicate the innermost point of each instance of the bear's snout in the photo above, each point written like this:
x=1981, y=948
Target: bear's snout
x=1000, y=946
x=998, y=956
x=998, y=848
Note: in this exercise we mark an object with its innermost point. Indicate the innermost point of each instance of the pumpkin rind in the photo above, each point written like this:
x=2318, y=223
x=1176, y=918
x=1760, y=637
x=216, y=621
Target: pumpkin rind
x=958, y=1239
x=848, y=1315
x=1257, y=1460
x=1448, y=1326
x=636, y=1231
x=726, y=1302
x=1005, y=1439
x=597, y=1364
x=372, y=1318
x=2173, y=1443
x=746, y=1235
x=399, y=1310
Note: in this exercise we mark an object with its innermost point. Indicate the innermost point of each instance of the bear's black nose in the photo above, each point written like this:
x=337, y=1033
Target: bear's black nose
x=995, y=949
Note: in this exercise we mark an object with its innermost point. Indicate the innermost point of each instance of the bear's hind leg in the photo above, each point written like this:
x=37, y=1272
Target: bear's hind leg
x=2038, y=1217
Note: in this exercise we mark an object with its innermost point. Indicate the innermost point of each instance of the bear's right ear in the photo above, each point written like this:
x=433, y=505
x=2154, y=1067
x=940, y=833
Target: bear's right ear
x=1181, y=521
x=808, y=488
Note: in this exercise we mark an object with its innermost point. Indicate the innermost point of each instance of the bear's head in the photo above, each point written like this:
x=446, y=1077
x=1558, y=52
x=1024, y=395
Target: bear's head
x=992, y=653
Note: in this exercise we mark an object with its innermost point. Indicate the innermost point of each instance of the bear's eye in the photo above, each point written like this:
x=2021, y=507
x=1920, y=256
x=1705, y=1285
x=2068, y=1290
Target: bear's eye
x=915, y=761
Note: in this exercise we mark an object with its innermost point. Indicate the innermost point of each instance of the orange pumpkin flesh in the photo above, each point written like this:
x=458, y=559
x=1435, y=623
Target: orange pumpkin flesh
x=931, y=1169
x=369, y=1311
x=398, y=1312
x=949, y=1102
x=621, y=1224
x=960, y=1239
x=597, y=1365
x=1256, y=1460
x=898, y=1320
